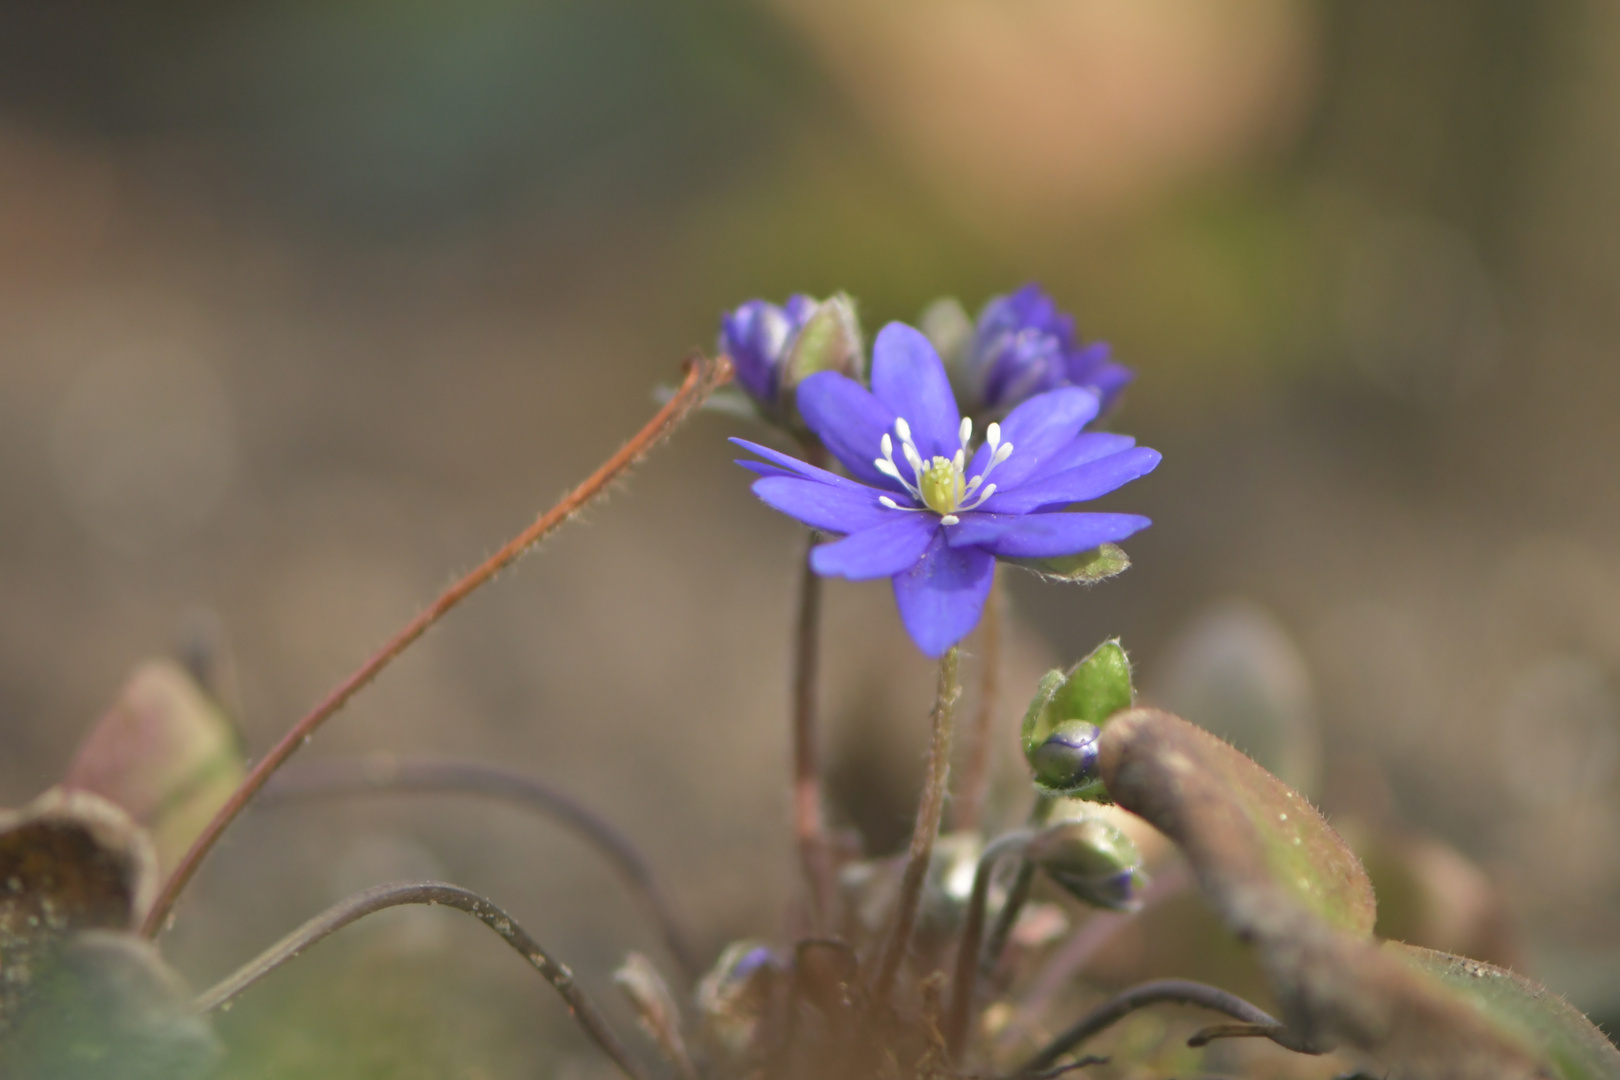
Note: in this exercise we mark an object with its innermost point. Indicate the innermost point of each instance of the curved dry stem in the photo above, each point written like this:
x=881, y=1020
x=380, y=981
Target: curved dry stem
x=432, y=893
x=1180, y=991
x=702, y=377
x=930, y=810
x=385, y=774
x=966, y=977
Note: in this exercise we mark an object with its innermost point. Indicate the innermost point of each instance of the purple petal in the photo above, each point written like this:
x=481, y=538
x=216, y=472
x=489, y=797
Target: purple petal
x=1088, y=446
x=1075, y=485
x=882, y=551
x=1041, y=536
x=909, y=378
x=942, y=596
x=791, y=464
x=849, y=421
x=822, y=506
x=1037, y=429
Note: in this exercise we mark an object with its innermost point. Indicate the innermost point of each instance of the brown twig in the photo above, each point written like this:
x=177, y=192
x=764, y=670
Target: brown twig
x=702, y=377
x=432, y=893
x=930, y=810
x=976, y=771
x=385, y=774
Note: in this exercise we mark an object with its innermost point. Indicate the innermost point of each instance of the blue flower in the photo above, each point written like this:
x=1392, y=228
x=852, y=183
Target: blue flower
x=757, y=337
x=1023, y=346
x=928, y=507
x=774, y=348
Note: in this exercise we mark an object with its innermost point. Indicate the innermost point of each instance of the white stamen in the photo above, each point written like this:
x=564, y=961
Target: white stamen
x=992, y=436
x=887, y=468
x=903, y=428
x=914, y=458
x=888, y=446
x=949, y=519
x=965, y=432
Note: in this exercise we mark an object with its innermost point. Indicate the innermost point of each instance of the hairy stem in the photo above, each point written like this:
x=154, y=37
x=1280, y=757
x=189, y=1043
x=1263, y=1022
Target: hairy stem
x=966, y=977
x=930, y=810
x=702, y=377
x=386, y=774
x=809, y=827
x=1141, y=996
x=975, y=786
x=432, y=893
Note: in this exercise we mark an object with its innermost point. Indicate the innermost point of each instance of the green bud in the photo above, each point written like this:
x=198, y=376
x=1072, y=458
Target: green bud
x=829, y=341
x=1096, y=688
x=1092, y=859
x=1086, y=568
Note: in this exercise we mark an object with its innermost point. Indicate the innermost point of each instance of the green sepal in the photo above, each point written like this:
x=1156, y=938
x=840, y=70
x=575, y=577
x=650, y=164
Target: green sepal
x=1086, y=568
x=1092, y=690
x=830, y=340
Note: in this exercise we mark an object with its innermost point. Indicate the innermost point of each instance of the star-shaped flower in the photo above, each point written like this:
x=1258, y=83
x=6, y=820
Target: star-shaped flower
x=929, y=506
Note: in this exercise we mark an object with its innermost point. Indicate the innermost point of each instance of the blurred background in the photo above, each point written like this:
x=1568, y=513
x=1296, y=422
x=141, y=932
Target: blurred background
x=305, y=307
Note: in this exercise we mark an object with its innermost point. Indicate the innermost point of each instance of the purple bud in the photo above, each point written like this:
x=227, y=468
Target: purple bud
x=757, y=337
x=1024, y=345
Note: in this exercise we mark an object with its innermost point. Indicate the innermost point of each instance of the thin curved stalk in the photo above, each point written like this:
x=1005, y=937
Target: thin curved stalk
x=1017, y=896
x=966, y=977
x=1180, y=991
x=930, y=809
x=975, y=787
x=385, y=774
x=432, y=893
x=702, y=377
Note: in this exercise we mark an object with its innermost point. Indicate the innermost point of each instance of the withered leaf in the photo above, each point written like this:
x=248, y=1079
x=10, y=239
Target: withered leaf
x=69, y=861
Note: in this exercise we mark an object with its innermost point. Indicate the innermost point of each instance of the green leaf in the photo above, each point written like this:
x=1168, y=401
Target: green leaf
x=1564, y=1036
x=1086, y=568
x=106, y=1007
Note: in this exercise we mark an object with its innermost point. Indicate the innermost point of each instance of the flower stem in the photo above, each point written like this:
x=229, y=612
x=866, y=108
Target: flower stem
x=982, y=737
x=930, y=810
x=958, y=1016
x=1018, y=893
x=702, y=378
x=433, y=894
x=809, y=826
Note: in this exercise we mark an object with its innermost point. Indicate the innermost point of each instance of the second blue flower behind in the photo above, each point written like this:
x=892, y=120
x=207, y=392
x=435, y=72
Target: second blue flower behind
x=931, y=506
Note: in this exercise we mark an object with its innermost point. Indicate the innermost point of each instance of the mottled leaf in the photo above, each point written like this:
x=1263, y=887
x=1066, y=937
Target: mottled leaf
x=106, y=1007
x=165, y=752
x=1575, y=1047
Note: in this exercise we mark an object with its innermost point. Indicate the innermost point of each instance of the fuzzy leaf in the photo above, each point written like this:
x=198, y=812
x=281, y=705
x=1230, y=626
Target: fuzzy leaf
x=165, y=753
x=1285, y=882
x=1576, y=1048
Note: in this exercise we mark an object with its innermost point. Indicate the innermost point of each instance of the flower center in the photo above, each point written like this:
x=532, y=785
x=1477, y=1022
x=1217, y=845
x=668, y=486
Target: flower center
x=941, y=484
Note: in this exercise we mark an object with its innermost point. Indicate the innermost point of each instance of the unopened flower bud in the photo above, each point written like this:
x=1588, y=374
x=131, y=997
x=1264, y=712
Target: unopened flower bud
x=1092, y=859
x=1061, y=727
x=1066, y=761
x=734, y=995
x=774, y=348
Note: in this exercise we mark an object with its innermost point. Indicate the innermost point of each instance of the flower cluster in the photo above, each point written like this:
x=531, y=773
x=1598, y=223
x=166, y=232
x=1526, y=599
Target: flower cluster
x=929, y=505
